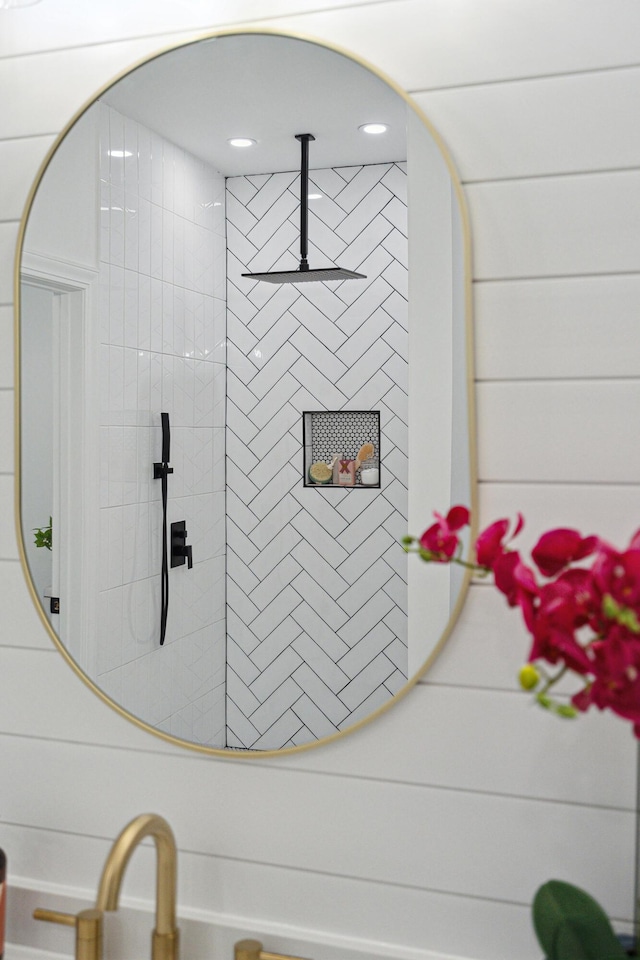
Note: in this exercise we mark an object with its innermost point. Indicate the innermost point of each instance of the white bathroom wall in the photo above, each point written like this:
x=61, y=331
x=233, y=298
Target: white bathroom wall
x=426, y=833
x=162, y=348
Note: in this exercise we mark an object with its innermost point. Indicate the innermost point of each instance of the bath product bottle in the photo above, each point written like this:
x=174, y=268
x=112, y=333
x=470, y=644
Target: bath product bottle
x=336, y=466
x=370, y=472
x=3, y=899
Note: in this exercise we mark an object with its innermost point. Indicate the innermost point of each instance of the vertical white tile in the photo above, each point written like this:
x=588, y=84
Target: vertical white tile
x=156, y=316
x=130, y=336
x=155, y=258
x=144, y=163
x=168, y=333
x=116, y=147
x=144, y=236
x=156, y=170
x=167, y=246
x=116, y=224
x=144, y=312
x=131, y=230
x=116, y=304
x=130, y=387
x=178, y=250
x=116, y=385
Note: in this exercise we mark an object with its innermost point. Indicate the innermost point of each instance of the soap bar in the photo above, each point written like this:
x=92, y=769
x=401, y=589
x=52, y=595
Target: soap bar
x=346, y=473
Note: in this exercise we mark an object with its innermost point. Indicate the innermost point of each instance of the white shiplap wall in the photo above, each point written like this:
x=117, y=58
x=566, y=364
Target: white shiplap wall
x=426, y=834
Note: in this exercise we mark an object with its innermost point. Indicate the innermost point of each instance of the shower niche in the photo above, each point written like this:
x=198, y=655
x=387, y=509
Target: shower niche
x=347, y=442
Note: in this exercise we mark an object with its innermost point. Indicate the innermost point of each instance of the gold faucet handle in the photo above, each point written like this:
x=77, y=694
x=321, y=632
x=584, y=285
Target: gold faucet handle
x=252, y=950
x=88, y=927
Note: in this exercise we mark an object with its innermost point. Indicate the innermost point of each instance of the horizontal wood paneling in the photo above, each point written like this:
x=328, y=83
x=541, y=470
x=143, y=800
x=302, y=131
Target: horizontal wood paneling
x=558, y=431
x=557, y=226
x=556, y=124
x=583, y=327
x=301, y=819
x=451, y=758
x=443, y=45
x=6, y=346
x=21, y=625
x=8, y=238
x=611, y=511
x=6, y=430
x=65, y=24
x=427, y=919
x=19, y=160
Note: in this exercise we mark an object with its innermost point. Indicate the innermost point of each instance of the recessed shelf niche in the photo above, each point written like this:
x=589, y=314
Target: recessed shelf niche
x=326, y=433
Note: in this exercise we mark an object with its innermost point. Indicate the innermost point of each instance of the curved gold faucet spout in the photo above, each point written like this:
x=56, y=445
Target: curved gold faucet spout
x=165, y=936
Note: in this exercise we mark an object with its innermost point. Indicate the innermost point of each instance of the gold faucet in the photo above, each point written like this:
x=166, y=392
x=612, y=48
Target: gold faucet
x=165, y=937
x=252, y=950
x=88, y=926
x=88, y=923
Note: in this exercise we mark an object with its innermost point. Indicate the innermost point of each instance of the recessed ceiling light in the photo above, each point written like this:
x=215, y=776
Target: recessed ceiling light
x=241, y=142
x=374, y=128
x=314, y=196
x=120, y=153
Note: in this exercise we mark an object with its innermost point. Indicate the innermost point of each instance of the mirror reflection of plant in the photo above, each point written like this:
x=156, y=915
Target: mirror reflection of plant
x=43, y=535
x=583, y=620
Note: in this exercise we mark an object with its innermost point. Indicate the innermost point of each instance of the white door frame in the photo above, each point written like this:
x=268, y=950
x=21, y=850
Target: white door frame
x=76, y=480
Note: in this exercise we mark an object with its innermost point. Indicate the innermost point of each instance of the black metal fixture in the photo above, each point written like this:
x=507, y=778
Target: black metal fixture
x=180, y=549
x=304, y=273
x=161, y=471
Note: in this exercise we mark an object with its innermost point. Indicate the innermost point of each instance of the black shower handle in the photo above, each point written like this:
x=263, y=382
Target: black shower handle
x=166, y=438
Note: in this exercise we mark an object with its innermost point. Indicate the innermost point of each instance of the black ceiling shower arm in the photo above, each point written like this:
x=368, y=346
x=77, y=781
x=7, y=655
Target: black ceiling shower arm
x=304, y=272
x=304, y=139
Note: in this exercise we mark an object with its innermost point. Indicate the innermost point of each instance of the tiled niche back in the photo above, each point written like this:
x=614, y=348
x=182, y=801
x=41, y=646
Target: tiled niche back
x=327, y=433
x=316, y=578
x=161, y=332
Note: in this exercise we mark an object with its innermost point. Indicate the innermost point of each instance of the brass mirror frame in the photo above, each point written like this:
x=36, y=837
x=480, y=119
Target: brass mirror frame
x=469, y=384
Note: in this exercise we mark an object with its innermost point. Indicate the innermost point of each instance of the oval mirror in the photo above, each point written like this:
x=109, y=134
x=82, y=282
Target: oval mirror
x=244, y=376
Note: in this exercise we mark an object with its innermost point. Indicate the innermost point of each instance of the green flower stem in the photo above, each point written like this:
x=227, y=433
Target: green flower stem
x=433, y=558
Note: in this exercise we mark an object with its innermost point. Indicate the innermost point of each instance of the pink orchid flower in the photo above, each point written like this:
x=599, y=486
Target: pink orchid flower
x=491, y=543
x=440, y=539
x=583, y=619
x=556, y=549
x=618, y=574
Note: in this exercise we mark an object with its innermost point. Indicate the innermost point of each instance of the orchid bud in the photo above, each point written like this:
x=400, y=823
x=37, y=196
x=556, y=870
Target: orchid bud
x=528, y=677
x=566, y=710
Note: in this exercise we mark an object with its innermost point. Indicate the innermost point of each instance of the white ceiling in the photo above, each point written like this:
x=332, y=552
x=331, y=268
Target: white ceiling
x=268, y=88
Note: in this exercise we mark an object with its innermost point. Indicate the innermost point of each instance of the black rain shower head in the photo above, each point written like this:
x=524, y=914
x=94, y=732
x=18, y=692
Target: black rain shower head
x=303, y=274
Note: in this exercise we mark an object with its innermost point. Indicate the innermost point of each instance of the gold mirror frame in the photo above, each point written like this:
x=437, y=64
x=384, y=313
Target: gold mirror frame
x=469, y=385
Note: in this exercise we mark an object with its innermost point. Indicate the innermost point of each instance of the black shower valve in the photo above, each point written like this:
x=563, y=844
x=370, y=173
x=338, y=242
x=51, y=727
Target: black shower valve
x=180, y=549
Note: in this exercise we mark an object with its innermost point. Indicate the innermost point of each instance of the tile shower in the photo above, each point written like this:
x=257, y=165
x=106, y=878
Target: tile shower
x=161, y=326
x=292, y=623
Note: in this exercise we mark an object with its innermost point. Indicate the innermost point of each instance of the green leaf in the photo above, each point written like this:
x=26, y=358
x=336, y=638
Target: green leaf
x=43, y=536
x=571, y=925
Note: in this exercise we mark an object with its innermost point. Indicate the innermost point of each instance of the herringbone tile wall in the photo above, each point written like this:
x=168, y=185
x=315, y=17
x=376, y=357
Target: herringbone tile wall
x=316, y=579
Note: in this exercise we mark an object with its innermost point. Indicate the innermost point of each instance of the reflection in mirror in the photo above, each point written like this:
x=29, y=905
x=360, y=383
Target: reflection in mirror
x=227, y=461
